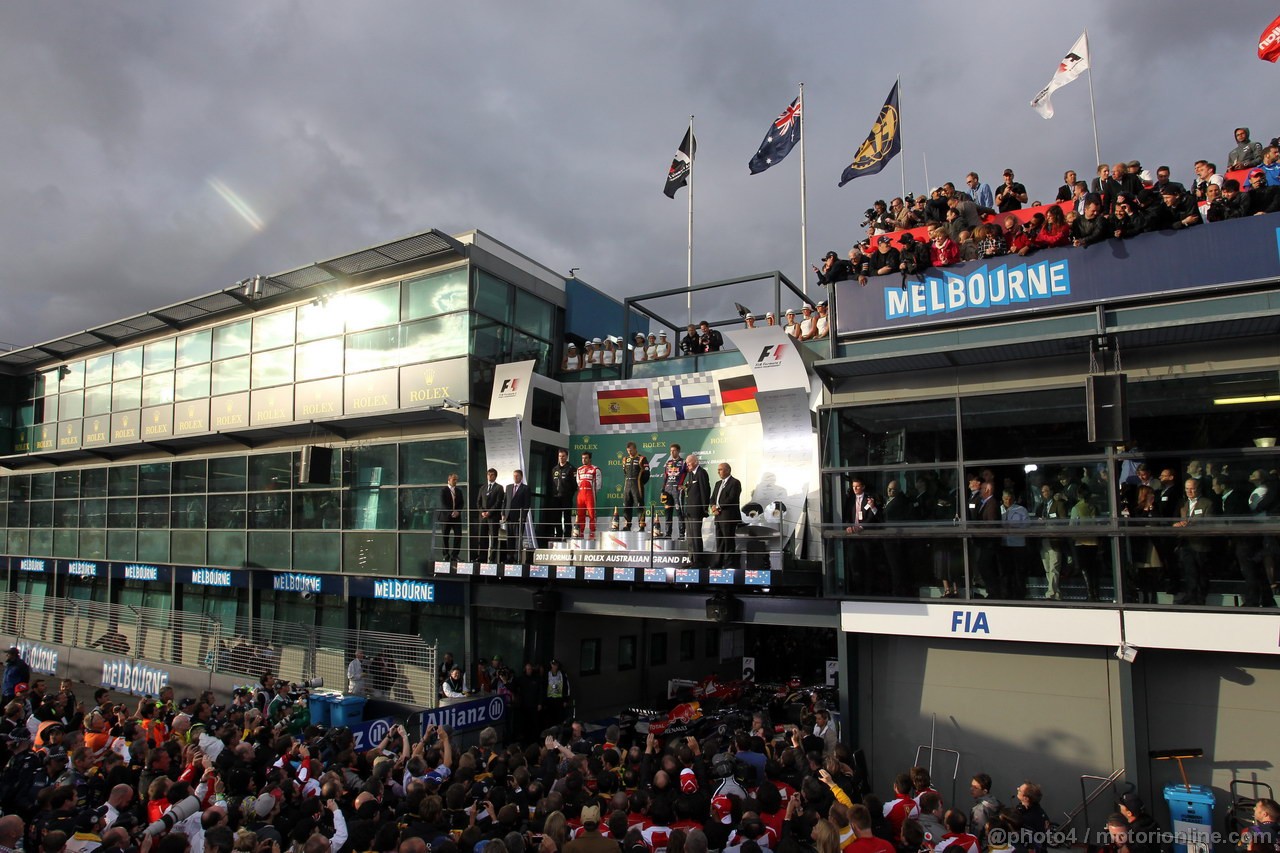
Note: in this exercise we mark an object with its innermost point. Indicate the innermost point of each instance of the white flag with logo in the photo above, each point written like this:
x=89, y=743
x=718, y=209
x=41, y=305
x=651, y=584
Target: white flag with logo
x=1075, y=63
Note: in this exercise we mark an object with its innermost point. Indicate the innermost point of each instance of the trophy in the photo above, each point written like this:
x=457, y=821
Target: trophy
x=657, y=523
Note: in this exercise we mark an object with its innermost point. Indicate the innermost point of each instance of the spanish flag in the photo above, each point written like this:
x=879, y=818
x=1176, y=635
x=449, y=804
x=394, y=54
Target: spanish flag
x=623, y=406
x=739, y=395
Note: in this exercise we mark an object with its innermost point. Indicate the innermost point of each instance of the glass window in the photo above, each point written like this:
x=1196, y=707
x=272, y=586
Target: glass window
x=93, y=483
x=122, y=513
x=194, y=348
x=271, y=368
x=66, y=542
x=416, y=560
x=66, y=484
x=93, y=512
x=42, y=514
x=226, y=548
x=273, y=330
x=66, y=514
x=369, y=553
x=46, y=383
x=126, y=395
x=322, y=318
x=127, y=364
x=157, y=389
x=72, y=376
x=627, y=652
x=1231, y=410
x=231, y=340
x=1025, y=424
x=122, y=481
x=71, y=405
x=188, y=511
x=318, y=359
x=19, y=515
x=42, y=486
x=891, y=434
x=493, y=297
x=525, y=348
x=45, y=410
x=97, y=400
x=658, y=648
x=153, y=513
x=230, y=376
x=589, y=657
x=373, y=349
x=191, y=383
x=317, y=510
x=93, y=544
x=490, y=341
x=189, y=476
x=372, y=466
x=430, y=340
x=153, y=546
x=270, y=472
x=377, y=306
x=317, y=552
x=268, y=511
x=227, y=474
x=157, y=357
x=26, y=414
x=226, y=512
x=435, y=294
x=122, y=544
x=97, y=370
x=188, y=547
x=431, y=462
x=536, y=316
x=270, y=550
x=153, y=478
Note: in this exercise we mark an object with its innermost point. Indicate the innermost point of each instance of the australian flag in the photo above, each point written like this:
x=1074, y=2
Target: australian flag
x=781, y=137
x=681, y=164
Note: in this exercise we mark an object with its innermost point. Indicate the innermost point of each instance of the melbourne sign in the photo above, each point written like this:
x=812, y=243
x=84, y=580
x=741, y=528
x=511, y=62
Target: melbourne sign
x=136, y=679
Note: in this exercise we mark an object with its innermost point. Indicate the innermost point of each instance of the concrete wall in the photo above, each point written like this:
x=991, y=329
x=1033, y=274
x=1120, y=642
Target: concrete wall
x=1043, y=713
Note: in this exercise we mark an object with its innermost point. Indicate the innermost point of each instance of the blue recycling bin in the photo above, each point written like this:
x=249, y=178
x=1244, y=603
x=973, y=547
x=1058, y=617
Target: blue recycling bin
x=319, y=704
x=347, y=711
x=1191, y=812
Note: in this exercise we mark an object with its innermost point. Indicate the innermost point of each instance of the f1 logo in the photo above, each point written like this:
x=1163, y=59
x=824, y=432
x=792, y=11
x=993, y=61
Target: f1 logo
x=772, y=353
x=509, y=385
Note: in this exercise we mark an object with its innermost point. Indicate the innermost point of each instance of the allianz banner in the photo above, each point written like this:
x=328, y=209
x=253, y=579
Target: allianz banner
x=1234, y=252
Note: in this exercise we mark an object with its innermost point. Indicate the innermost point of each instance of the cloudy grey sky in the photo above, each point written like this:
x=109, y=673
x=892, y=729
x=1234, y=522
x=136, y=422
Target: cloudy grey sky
x=549, y=126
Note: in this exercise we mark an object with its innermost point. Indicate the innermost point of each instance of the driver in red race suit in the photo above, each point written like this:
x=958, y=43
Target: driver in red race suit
x=588, y=479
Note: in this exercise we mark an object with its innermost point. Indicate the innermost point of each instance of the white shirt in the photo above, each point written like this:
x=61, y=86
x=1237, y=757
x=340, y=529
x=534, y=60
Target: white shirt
x=821, y=325
x=355, y=676
x=663, y=350
x=639, y=354
x=573, y=362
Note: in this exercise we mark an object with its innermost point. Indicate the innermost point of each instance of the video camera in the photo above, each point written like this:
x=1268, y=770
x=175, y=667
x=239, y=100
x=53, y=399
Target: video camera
x=868, y=216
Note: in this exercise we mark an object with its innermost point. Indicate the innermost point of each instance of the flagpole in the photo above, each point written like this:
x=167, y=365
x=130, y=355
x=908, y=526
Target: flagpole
x=902, y=158
x=804, y=207
x=1097, y=152
x=689, y=282
x=925, y=157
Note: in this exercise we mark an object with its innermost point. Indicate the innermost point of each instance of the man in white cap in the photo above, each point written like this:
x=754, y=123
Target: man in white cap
x=664, y=348
x=750, y=320
x=770, y=320
x=792, y=327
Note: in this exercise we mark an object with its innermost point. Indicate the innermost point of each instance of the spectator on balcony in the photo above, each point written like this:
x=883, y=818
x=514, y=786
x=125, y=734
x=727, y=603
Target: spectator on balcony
x=638, y=353
x=1143, y=176
x=980, y=192
x=792, y=326
x=1260, y=198
x=662, y=350
x=1011, y=195
x=916, y=257
x=821, y=325
x=1247, y=154
x=749, y=320
x=770, y=319
x=990, y=240
x=1092, y=227
x=1080, y=198
x=1055, y=231
x=1129, y=219
x=1231, y=204
x=1206, y=173
x=1127, y=178
x=1271, y=164
x=1106, y=187
x=943, y=252
x=1179, y=209
x=1163, y=180
x=572, y=360
x=966, y=210
x=808, y=325
x=651, y=347
x=712, y=340
x=903, y=217
x=968, y=248
x=1021, y=235
x=881, y=219
x=1068, y=189
x=886, y=259
x=834, y=269
x=859, y=263
x=935, y=208
x=691, y=343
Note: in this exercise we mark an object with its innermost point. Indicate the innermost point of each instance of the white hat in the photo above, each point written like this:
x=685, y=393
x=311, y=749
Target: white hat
x=749, y=317
x=572, y=345
x=596, y=341
x=662, y=334
x=769, y=315
x=791, y=312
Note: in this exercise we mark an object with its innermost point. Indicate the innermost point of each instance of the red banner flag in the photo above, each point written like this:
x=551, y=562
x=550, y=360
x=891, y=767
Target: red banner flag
x=1269, y=42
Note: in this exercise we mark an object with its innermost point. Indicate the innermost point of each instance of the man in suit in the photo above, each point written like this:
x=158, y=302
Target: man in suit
x=452, y=505
x=489, y=503
x=696, y=490
x=861, y=509
x=725, y=505
x=1193, y=551
x=516, y=510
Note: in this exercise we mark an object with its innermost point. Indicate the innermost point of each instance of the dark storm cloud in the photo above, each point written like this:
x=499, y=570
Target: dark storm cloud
x=550, y=126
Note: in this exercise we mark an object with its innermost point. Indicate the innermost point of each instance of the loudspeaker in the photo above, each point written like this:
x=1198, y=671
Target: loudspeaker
x=314, y=464
x=1107, y=409
x=546, y=600
x=724, y=608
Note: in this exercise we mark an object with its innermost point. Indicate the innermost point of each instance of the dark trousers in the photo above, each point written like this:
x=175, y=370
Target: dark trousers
x=693, y=538
x=488, y=545
x=895, y=557
x=631, y=499
x=726, y=543
x=560, y=516
x=1195, y=575
x=450, y=535
x=1257, y=590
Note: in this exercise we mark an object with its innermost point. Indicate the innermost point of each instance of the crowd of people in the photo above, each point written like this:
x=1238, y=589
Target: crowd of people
x=1036, y=512
x=1123, y=200
x=253, y=774
x=610, y=350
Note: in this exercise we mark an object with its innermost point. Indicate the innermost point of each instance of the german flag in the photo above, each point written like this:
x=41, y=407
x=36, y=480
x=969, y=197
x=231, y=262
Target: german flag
x=624, y=406
x=739, y=395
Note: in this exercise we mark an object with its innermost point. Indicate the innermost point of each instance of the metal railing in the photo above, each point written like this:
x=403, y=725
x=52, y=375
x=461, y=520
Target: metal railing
x=399, y=667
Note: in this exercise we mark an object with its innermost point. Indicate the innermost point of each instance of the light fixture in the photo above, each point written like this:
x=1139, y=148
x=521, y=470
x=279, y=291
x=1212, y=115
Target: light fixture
x=1255, y=398
x=1127, y=653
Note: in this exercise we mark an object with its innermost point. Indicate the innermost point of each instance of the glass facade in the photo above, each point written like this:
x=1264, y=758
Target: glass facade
x=925, y=464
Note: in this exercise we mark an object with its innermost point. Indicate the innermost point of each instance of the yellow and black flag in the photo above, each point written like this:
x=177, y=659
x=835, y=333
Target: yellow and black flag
x=884, y=141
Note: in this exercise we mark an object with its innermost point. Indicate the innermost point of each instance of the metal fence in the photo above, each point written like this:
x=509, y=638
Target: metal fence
x=399, y=667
